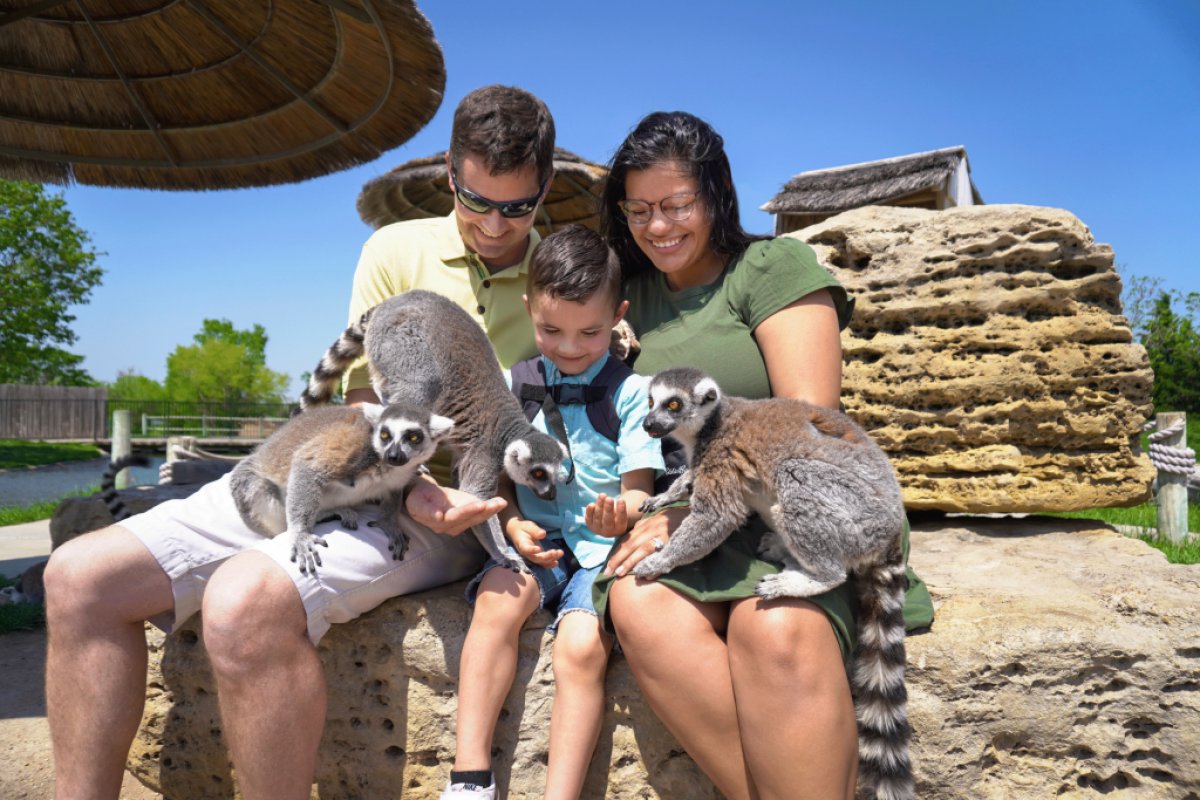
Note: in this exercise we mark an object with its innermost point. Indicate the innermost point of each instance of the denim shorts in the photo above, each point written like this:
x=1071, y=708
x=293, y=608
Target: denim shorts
x=564, y=588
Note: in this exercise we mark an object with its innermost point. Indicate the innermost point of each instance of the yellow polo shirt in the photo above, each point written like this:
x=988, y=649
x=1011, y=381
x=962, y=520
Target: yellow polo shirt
x=429, y=254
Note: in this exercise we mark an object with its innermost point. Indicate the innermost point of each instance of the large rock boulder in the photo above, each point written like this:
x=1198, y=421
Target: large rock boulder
x=989, y=358
x=77, y=515
x=1064, y=662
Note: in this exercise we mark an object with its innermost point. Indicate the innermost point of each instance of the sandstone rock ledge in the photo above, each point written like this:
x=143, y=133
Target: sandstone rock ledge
x=1064, y=662
x=989, y=357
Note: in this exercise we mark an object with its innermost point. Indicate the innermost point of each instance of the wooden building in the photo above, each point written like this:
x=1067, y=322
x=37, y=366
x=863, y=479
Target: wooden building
x=936, y=179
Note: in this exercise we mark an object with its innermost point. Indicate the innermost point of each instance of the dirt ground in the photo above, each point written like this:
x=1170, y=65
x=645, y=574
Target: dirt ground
x=27, y=771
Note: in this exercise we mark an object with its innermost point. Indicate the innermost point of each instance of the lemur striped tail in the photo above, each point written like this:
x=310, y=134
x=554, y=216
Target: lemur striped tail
x=880, y=696
x=108, y=485
x=337, y=359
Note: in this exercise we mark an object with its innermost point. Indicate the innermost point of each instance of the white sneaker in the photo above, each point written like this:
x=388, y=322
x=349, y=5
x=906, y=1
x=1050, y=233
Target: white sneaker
x=469, y=791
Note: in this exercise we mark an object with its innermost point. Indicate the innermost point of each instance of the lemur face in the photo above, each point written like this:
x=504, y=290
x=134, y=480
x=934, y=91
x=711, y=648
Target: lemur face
x=680, y=402
x=536, y=463
x=405, y=434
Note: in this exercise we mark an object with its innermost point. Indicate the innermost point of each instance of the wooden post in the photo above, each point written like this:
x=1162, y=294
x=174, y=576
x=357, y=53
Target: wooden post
x=1172, y=488
x=121, y=444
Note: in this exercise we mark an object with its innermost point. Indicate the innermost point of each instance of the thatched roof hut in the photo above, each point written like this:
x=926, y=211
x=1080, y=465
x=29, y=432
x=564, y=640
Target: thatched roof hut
x=935, y=179
x=211, y=93
x=420, y=188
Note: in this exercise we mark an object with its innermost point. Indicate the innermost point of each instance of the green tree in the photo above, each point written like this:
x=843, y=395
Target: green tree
x=1172, y=341
x=46, y=266
x=225, y=365
x=129, y=385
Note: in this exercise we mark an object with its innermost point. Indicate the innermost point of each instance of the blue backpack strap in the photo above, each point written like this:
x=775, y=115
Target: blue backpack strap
x=602, y=412
x=529, y=385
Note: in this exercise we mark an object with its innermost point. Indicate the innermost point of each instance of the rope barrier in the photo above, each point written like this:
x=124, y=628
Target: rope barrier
x=1167, y=458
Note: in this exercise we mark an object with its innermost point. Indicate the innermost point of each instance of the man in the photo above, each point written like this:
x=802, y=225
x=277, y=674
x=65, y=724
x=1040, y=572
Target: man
x=262, y=618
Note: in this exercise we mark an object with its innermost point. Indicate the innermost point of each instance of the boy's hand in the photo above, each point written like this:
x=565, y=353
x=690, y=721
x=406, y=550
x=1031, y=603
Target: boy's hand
x=526, y=538
x=607, y=516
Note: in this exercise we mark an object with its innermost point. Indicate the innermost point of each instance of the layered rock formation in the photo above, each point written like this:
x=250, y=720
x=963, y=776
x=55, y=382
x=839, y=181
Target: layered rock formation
x=989, y=358
x=1063, y=663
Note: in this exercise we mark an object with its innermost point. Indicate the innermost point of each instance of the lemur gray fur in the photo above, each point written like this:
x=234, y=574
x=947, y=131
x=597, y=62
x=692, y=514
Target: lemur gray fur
x=832, y=501
x=425, y=349
x=324, y=462
x=108, y=485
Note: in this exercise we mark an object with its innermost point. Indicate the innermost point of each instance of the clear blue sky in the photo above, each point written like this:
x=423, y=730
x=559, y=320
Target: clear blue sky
x=1089, y=106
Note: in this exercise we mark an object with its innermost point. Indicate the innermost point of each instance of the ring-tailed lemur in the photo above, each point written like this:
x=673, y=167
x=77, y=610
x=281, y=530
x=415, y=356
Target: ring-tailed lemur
x=325, y=461
x=423, y=348
x=108, y=485
x=831, y=498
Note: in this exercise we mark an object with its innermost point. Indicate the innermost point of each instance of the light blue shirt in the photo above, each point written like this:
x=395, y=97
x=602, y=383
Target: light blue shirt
x=599, y=462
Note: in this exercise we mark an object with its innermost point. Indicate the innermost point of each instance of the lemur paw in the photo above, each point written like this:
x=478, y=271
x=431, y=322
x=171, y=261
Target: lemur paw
x=397, y=538
x=651, y=504
x=304, y=552
x=651, y=567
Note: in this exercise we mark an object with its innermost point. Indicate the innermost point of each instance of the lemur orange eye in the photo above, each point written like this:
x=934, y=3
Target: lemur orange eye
x=385, y=434
x=674, y=405
x=650, y=400
x=413, y=437
x=539, y=474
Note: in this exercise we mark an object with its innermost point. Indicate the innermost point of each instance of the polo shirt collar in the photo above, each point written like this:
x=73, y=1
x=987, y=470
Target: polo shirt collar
x=451, y=247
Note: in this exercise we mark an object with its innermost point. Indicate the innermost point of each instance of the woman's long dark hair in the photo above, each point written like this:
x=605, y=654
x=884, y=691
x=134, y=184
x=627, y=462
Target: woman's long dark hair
x=691, y=142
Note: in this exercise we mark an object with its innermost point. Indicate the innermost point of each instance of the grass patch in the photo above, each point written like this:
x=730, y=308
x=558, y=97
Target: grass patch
x=15, y=515
x=22, y=453
x=20, y=616
x=1186, y=552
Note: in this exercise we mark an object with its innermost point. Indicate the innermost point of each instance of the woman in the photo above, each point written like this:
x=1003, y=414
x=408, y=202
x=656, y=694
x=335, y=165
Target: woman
x=756, y=691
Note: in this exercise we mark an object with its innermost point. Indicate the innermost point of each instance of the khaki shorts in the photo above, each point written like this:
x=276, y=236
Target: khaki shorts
x=190, y=538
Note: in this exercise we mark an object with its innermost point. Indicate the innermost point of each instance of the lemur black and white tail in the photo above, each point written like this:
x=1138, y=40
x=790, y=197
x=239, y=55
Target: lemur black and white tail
x=337, y=359
x=108, y=485
x=880, y=697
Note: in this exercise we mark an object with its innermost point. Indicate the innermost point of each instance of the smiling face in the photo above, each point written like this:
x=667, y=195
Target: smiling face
x=500, y=241
x=680, y=249
x=573, y=335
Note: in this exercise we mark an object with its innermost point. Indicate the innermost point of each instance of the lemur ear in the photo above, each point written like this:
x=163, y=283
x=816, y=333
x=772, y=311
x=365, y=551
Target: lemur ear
x=439, y=426
x=518, y=453
x=372, y=411
x=706, y=391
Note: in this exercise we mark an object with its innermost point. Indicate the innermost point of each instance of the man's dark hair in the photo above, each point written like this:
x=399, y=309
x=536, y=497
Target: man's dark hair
x=508, y=127
x=574, y=263
x=692, y=143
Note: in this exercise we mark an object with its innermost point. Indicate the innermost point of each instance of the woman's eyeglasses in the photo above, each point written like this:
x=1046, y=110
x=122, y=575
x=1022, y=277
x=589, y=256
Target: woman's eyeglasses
x=677, y=207
x=481, y=205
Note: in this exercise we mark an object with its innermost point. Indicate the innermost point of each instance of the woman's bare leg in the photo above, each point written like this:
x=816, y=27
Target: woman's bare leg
x=489, y=662
x=99, y=590
x=681, y=663
x=794, y=706
x=580, y=661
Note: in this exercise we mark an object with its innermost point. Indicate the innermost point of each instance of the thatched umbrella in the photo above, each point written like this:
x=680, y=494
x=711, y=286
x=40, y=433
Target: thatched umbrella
x=934, y=179
x=207, y=94
x=419, y=189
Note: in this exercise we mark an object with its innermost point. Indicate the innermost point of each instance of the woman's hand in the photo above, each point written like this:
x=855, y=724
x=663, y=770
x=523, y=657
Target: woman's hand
x=608, y=516
x=448, y=511
x=640, y=541
x=527, y=538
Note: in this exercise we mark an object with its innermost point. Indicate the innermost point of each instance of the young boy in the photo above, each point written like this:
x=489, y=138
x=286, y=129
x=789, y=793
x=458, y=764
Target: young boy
x=573, y=298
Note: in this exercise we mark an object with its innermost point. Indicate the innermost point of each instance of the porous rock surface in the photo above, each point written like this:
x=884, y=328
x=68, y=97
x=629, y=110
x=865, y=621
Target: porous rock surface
x=1064, y=662
x=989, y=357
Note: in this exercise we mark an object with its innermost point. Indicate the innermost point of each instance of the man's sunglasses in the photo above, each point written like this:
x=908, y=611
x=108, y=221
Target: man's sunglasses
x=481, y=205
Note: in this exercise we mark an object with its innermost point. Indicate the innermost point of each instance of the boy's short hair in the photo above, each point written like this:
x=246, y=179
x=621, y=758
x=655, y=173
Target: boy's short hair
x=574, y=263
x=508, y=127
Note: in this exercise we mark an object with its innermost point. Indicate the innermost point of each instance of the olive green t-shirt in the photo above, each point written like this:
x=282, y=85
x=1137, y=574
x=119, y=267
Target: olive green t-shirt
x=709, y=327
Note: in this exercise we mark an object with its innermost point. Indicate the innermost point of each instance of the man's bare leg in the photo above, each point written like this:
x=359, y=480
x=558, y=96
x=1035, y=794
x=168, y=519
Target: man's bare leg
x=270, y=682
x=99, y=589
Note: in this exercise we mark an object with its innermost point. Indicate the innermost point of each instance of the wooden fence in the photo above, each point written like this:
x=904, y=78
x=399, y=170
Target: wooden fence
x=52, y=412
